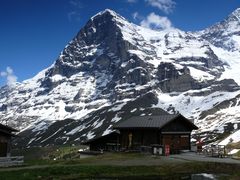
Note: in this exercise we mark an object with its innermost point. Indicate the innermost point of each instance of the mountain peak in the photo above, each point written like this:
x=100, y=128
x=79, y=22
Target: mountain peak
x=108, y=12
x=225, y=29
x=236, y=13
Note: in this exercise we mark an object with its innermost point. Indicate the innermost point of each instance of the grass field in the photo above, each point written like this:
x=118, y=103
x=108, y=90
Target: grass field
x=97, y=171
x=40, y=165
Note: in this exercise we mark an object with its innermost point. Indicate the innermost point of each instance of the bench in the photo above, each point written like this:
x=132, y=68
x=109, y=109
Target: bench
x=11, y=161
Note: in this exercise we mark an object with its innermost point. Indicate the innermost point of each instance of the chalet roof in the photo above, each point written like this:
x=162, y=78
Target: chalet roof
x=115, y=132
x=7, y=130
x=150, y=121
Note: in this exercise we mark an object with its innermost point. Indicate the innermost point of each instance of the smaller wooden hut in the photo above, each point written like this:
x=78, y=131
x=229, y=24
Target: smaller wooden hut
x=6, y=134
x=109, y=142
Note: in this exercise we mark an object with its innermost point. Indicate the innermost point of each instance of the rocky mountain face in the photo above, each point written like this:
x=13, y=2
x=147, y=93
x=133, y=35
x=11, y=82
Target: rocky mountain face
x=225, y=34
x=114, y=69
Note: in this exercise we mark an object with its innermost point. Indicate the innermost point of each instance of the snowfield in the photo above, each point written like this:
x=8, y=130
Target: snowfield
x=233, y=138
x=93, y=73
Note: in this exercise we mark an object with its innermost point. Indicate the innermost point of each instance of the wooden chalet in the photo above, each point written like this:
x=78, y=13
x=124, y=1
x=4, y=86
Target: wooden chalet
x=147, y=131
x=172, y=130
x=6, y=133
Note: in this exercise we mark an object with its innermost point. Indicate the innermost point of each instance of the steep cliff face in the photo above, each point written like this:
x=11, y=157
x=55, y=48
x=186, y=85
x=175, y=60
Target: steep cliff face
x=114, y=69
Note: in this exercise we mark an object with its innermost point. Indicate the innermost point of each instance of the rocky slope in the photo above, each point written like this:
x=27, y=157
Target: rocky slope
x=114, y=69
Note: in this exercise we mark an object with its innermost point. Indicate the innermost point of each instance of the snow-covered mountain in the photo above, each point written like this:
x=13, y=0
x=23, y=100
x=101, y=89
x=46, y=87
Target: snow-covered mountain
x=114, y=69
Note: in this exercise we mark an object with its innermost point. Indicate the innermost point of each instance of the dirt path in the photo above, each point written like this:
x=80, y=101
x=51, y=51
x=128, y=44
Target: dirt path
x=146, y=160
x=26, y=167
x=191, y=156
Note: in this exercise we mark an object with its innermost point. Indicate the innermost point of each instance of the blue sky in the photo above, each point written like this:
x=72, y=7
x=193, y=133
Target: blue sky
x=33, y=32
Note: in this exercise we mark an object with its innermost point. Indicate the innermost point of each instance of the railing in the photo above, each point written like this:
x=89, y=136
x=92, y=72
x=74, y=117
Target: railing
x=215, y=151
x=11, y=161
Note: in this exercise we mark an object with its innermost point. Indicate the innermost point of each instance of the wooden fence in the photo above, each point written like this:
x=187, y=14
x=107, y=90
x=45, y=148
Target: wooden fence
x=215, y=151
x=11, y=161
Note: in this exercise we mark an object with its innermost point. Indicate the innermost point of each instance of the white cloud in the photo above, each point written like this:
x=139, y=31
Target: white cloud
x=74, y=16
x=166, y=6
x=155, y=21
x=76, y=6
x=132, y=1
x=135, y=15
x=10, y=77
x=76, y=3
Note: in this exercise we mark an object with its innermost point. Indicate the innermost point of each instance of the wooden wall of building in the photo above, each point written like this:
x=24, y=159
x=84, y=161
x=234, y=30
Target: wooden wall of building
x=139, y=137
x=4, y=145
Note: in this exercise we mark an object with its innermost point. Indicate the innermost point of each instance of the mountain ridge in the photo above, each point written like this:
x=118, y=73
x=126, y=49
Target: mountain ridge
x=112, y=64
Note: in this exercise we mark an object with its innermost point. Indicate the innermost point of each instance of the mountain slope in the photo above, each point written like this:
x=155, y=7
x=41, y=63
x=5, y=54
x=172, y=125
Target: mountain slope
x=114, y=69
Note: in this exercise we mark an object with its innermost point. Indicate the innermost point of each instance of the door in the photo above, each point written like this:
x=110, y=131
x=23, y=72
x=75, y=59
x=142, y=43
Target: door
x=173, y=141
x=185, y=142
x=3, y=149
